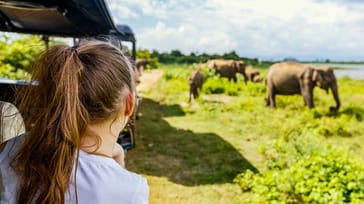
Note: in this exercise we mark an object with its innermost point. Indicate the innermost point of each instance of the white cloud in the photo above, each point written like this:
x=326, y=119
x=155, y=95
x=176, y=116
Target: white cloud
x=121, y=10
x=144, y=7
x=260, y=28
x=164, y=38
x=185, y=38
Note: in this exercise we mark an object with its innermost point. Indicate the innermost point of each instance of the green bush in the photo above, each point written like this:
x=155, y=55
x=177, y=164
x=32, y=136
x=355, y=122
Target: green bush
x=176, y=74
x=303, y=171
x=21, y=53
x=9, y=72
x=255, y=89
x=218, y=85
x=213, y=86
x=17, y=56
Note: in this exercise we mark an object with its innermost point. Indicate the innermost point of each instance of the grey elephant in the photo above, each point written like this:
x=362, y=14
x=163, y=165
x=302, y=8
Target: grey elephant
x=288, y=78
x=228, y=68
x=195, y=81
x=253, y=75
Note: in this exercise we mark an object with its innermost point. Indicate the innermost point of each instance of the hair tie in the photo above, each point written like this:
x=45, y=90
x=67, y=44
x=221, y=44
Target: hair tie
x=74, y=49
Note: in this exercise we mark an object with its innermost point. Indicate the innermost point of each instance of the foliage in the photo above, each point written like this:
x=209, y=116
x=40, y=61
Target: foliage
x=17, y=56
x=176, y=56
x=216, y=85
x=174, y=74
x=7, y=71
x=301, y=171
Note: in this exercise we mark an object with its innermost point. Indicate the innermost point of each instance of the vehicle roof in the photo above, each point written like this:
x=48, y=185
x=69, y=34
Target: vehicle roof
x=69, y=18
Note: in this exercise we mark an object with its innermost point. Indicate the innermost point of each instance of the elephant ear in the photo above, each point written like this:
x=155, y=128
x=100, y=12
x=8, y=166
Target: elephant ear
x=235, y=66
x=316, y=75
x=240, y=66
x=318, y=79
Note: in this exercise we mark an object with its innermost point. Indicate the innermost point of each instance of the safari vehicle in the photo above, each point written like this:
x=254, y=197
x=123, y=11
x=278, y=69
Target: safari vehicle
x=75, y=19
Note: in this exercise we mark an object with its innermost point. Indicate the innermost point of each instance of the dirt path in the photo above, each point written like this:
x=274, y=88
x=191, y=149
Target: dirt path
x=148, y=78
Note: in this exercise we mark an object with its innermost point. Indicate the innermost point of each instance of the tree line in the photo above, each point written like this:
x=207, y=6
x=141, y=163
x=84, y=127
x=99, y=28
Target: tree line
x=176, y=56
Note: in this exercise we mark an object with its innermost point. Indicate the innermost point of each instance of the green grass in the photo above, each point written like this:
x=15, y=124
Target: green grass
x=191, y=152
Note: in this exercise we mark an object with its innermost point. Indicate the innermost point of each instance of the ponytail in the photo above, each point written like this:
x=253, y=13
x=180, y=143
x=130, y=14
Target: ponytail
x=73, y=91
x=57, y=120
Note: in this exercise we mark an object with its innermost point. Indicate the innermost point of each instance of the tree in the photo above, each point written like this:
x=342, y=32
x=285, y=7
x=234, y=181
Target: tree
x=176, y=53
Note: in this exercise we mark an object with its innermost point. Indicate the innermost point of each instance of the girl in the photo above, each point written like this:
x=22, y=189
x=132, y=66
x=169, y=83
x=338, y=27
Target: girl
x=84, y=97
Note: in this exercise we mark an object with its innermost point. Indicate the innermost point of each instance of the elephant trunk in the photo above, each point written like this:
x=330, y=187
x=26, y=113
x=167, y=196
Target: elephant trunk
x=335, y=93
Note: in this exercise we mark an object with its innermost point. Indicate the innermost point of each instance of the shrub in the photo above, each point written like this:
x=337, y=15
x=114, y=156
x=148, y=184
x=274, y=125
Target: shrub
x=176, y=74
x=17, y=55
x=217, y=85
x=255, y=89
x=301, y=173
x=21, y=53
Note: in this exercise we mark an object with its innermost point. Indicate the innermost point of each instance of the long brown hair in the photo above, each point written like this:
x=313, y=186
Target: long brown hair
x=76, y=86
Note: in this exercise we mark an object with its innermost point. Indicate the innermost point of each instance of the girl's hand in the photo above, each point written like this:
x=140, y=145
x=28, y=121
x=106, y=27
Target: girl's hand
x=118, y=154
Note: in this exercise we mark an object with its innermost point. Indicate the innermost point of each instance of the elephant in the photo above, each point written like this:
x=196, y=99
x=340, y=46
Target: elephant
x=140, y=64
x=195, y=81
x=228, y=68
x=253, y=75
x=288, y=78
x=202, y=65
x=257, y=78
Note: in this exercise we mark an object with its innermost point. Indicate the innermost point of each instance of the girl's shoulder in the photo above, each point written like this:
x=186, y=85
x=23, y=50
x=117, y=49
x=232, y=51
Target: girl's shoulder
x=110, y=182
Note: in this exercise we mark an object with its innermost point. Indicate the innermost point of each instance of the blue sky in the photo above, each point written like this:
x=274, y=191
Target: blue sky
x=265, y=29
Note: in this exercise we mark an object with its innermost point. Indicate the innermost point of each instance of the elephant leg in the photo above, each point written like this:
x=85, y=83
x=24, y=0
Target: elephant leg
x=246, y=79
x=335, y=93
x=190, y=94
x=195, y=93
x=307, y=93
x=308, y=98
x=267, y=103
x=271, y=98
x=267, y=99
x=304, y=96
x=234, y=79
